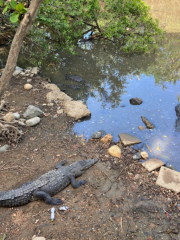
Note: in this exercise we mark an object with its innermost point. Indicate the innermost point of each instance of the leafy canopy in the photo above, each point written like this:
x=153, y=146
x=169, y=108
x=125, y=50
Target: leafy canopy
x=60, y=24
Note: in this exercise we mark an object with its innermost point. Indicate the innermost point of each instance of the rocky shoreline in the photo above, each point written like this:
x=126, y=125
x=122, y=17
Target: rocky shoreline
x=121, y=193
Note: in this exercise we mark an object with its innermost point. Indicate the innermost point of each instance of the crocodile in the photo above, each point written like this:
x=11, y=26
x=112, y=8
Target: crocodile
x=77, y=79
x=47, y=185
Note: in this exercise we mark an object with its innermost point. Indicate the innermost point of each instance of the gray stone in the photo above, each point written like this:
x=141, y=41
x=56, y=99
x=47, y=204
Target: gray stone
x=32, y=111
x=169, y=179
x=18, y=68
x=4, y=148
x=177, y=125
x=137, y=156
x=128, y=139
x=153, y=164
x=135, y=101
x=76, y=109
x=16, y=73
x=98, y=134
x=32, y=121
x=22, y=124
x=177, y=109
x=16, y=115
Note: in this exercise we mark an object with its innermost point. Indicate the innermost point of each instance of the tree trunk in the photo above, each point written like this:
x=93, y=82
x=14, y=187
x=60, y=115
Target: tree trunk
x=22, y=30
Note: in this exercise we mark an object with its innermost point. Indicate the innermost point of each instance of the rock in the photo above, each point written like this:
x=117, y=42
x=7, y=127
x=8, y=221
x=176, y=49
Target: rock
x=22, y=73
x=38, y=238
x=128, y=139
x=22, y=124
x=144, y=155
x=9, y=117
x=18, y=68
x=115, y=151
x=32, y=121
x=60, y=111
x=177, y=109
x=106, y=139
x=29, y=80
x=98, y=134
x=169, y=179
x=4, y=148
x=28, y=70
x=177, y=125
x=135, y=101
x=27, y=86
x=16, y=73
x=147, y=123
x=153, y=164
x=56, y=94
x=16, y=115
x=35, y=70
x=171, y=167
x=32, y=111
x=141, y=127
x=76, y=109
x=137, y=156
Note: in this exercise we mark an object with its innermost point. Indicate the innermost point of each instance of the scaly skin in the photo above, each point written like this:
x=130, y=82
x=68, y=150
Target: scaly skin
x=47, y=185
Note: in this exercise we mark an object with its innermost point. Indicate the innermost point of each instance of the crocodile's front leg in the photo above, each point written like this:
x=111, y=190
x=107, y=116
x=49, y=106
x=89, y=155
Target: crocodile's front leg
x=47, y=198
x=78, y=183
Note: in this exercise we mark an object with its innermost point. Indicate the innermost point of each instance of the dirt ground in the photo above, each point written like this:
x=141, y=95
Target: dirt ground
x=119, y=201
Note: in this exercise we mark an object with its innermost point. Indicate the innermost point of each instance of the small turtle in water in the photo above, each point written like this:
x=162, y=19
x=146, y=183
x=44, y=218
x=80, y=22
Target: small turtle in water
x=98, y=134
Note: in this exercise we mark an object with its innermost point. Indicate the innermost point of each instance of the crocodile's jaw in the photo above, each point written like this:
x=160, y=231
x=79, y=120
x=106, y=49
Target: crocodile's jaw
x=79, y=167
x=84, y=165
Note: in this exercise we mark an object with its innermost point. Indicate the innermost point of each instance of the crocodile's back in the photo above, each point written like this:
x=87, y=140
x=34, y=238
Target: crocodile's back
x=51, y=183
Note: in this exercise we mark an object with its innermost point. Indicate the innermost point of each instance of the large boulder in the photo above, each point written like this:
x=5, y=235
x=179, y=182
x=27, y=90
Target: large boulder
x=56, y=94
x=177, y=109
x=76, y=109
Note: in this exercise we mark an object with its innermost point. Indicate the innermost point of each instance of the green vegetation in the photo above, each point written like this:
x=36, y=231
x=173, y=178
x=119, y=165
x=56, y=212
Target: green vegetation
x=60, y=24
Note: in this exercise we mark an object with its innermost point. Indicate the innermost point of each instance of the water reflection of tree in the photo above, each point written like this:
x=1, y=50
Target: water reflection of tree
x=166, y=67
x=107, y=68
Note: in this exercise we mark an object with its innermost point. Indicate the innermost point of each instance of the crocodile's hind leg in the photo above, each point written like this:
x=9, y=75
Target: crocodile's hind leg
x=47, y=198
x=78, y=183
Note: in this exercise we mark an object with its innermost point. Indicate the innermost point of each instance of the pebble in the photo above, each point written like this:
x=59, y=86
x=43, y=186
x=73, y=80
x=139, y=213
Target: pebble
x=16, y=115
x=21, y=124
x=32, y=121
x=4, y=148
x=144, y=155
x=29, y=80
x=98, y=134
x=137, y=156
x=9, y=117
x=27, y=86
x=38, y=238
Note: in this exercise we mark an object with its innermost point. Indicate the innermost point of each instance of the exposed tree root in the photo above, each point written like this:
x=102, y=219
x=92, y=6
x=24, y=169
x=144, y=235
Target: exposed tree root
x=10, y=134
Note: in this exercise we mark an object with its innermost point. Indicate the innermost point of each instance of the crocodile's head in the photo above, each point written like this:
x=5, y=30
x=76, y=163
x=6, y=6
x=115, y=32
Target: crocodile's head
x=79, y=167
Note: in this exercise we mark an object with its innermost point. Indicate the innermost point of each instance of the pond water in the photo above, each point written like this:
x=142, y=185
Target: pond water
x=115, y=77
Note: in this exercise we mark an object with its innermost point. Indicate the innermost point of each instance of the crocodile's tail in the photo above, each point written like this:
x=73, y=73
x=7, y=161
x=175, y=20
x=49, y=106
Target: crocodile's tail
x=14, y=198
